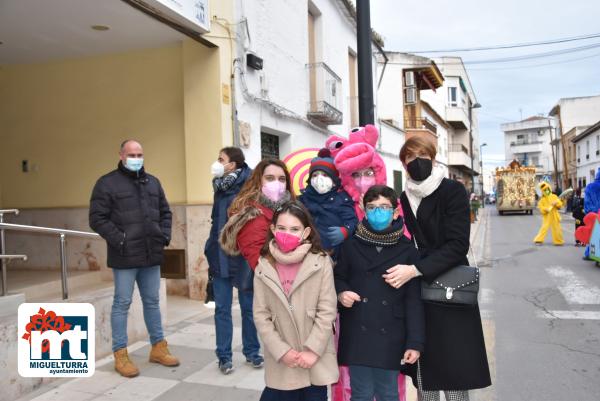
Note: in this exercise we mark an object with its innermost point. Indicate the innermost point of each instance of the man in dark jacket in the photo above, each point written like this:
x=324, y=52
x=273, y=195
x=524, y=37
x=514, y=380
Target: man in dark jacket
x=129, y=210
x=230, y=173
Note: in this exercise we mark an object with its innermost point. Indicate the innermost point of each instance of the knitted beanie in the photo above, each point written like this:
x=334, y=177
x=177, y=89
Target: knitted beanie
x=324, y=162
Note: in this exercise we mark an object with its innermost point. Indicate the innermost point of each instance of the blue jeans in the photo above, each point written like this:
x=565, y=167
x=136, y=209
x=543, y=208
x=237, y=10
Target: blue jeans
x=148, y=281
x=366, y=383
x=223, y=291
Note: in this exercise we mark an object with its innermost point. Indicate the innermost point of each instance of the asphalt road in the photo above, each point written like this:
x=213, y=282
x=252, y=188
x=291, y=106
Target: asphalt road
x=541, y=313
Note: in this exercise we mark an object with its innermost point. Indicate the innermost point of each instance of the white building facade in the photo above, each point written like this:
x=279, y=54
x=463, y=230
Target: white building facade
x=402, y=78
x=456, y=102
x=528, y=142
x=307, y=86
x=587, y=143
x=581, y=156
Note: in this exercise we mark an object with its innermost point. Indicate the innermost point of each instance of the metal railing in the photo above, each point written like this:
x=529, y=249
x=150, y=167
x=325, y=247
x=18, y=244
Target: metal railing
x=325, y=94
x=420, y=123
x=457, y=147
x=525, y=142
x=62, y=234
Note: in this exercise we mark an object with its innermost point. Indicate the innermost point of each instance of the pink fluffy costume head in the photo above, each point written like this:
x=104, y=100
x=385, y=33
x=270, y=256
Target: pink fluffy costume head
x=354, y=154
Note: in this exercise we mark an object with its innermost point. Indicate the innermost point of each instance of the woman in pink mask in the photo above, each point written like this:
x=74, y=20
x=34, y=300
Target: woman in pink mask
x=294, y=309
x=252, y=210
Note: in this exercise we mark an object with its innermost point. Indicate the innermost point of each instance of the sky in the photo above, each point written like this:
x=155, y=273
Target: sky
x=506, y=91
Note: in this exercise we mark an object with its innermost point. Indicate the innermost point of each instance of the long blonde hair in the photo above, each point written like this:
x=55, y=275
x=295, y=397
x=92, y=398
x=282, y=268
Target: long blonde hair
x=251, y=190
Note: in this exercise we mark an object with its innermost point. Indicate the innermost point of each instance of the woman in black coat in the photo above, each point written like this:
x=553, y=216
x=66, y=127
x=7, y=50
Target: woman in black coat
x=436, y=212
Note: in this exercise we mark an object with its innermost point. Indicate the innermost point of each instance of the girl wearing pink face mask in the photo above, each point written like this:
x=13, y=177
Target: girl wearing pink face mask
x=252, y=210
x=295, y=308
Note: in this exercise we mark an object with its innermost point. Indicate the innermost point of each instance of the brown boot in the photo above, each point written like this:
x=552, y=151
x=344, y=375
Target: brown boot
x=123, y=364
x=160, y=354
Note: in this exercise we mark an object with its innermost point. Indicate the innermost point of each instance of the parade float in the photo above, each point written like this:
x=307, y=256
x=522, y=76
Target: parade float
x=515, y=189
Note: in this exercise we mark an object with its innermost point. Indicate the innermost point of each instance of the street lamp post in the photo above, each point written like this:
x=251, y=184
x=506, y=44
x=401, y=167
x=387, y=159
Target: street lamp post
x=366, y=109
x=471, y=107
x=481, y=172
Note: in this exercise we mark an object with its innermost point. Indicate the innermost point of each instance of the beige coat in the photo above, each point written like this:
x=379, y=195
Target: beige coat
x=304, y=319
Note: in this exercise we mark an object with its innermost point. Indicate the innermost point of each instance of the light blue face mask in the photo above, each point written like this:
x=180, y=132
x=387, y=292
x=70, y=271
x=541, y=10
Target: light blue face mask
x=134, y=164
x=380, y=219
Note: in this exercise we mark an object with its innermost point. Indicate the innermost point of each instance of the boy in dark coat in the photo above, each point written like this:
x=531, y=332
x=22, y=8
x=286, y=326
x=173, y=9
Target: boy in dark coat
x=332, y=209
x=381, y=328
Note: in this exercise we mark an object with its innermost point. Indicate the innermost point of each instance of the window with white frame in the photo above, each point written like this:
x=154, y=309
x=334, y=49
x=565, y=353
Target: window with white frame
x=452, y=96
x=587, y=149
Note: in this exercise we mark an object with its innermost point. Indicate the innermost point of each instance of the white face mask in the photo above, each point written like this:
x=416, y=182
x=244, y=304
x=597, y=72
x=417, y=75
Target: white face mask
x=322, y=184
x=217, y=169
x=134, y=163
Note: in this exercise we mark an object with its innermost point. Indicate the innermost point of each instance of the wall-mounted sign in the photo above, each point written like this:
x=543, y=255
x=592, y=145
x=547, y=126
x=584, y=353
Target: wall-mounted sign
x=192, y=14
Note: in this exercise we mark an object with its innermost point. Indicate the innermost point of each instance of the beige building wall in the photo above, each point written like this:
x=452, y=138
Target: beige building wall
x=68, y=117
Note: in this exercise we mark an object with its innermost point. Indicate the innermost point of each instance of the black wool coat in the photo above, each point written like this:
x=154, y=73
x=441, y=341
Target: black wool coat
x=376, y=331
x=455, y=357
x=130, y=211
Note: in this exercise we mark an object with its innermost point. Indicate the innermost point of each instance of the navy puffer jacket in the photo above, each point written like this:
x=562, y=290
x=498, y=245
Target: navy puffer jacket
x=332, y=209
x=220, y=264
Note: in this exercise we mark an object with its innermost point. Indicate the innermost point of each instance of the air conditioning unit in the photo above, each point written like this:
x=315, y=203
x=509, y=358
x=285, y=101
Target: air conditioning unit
x=409, y=78
x=410, y=95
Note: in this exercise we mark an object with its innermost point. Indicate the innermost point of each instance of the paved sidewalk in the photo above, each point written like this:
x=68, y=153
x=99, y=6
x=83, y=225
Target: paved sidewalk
x=197, y=378
x=192, y=340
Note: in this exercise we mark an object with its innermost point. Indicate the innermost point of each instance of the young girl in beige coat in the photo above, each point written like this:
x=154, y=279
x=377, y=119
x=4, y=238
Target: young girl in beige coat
x=295, y=308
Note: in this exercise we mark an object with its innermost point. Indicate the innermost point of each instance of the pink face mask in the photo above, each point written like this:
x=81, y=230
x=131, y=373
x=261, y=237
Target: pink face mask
x=287, y=242
x=274, y=190
x=364, y=183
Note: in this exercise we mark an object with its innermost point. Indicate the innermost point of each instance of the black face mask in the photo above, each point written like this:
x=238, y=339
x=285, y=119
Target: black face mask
x=419, y=169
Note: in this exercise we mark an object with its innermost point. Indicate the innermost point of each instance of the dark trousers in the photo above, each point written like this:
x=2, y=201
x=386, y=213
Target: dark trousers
x=310, y=393
x=366, y=383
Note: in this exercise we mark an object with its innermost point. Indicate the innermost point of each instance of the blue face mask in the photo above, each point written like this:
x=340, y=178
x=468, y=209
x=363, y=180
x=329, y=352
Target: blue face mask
x=380, y=219
x=134, y=163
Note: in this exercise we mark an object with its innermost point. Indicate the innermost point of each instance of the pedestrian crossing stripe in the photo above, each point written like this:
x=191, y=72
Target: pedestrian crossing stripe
x=569, y=315
x=574, y=289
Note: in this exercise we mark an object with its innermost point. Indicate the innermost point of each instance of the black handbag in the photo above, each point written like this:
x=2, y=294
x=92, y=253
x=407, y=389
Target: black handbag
x=459, y=285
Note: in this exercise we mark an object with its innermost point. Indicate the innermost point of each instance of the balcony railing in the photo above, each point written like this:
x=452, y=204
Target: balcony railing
x=420, y=123
x=528, y=163
x=325, y=94
x=457, y=147
x=457, y=117
x=525, y=142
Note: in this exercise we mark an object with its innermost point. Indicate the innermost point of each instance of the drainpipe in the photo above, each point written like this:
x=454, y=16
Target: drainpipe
x=366, y=111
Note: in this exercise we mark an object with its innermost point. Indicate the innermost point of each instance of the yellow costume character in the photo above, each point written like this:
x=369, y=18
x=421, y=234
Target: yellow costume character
x=549, y=205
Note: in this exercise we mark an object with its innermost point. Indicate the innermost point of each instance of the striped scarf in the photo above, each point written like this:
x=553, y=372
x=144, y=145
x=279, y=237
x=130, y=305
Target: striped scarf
x=224, y=183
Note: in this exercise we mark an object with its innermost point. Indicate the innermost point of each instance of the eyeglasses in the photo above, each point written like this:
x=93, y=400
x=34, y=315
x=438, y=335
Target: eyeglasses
x=365, y=173
x=380, y=207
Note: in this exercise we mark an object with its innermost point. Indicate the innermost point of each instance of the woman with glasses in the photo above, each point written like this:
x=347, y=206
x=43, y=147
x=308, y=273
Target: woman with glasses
x=437, y=215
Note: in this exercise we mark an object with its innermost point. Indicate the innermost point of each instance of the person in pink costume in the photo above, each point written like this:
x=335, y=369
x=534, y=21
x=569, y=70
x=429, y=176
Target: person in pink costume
x=360, y=167
x=358, y=162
